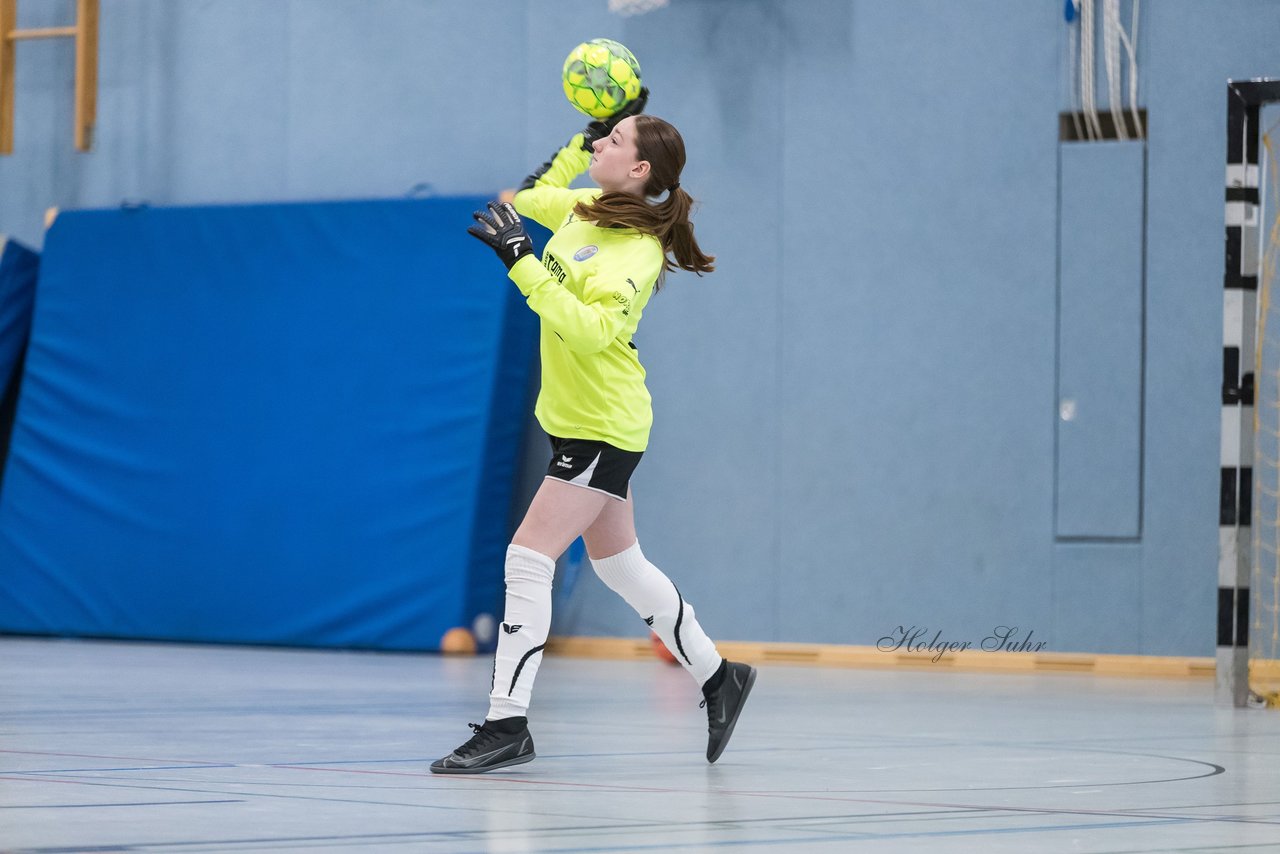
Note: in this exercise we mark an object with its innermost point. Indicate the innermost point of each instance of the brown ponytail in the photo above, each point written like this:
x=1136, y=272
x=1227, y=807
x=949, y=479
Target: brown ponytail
x=668, y=220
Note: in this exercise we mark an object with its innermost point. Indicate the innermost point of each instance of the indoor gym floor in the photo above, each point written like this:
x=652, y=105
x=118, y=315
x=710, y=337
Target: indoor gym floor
x=132, y=747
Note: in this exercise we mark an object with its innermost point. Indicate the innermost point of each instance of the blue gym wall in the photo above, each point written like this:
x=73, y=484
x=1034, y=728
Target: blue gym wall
x=857, y=413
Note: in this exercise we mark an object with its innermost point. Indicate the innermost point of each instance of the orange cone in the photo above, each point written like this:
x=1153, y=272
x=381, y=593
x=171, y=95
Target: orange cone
x=458, y=641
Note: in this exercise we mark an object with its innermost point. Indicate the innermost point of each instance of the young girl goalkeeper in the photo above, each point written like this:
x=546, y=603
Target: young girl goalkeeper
x=609, y=252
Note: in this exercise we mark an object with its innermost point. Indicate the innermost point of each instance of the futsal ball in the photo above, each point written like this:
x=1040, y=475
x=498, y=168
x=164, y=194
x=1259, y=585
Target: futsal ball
x=660, y=649
x=600, y=77
x=458, y=641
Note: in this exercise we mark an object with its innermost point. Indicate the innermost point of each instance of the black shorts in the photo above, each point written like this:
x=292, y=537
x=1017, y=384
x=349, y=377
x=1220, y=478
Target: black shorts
x=595, y=465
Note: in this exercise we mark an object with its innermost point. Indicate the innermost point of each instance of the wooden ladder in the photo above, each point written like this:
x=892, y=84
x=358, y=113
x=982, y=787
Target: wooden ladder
x=85, y=32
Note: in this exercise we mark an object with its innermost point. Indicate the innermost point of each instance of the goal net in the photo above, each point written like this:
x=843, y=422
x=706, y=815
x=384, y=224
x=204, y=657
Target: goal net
x=1264, y=586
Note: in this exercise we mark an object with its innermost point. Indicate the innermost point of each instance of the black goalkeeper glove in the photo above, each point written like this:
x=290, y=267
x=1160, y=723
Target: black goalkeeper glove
x=502, y=231
x=594, y=131
x=603, y=127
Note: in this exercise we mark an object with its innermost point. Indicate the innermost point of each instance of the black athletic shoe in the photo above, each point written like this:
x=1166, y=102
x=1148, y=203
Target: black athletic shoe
x=491, y=747
x=732, y=683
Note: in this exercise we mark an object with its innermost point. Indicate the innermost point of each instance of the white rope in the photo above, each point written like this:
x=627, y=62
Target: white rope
x=1111, y=59
x=1073, y=69
x=1130, y=39
x=1084, y=53
x=1087, y=94
x=1086, y=56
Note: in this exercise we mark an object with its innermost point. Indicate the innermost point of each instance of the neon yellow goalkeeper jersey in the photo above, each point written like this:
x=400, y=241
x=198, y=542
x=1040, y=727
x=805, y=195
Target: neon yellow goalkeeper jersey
x=589, y=291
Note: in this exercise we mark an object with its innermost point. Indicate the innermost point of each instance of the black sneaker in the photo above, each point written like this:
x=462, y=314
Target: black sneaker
x=732, y=683
x=491, y=747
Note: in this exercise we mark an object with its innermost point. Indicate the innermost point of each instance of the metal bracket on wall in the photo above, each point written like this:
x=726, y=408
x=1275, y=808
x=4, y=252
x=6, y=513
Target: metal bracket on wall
x=85, y=32
x=1072, y=127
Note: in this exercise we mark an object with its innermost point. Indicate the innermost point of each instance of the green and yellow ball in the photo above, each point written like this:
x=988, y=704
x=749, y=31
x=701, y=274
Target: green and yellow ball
x=600, y=77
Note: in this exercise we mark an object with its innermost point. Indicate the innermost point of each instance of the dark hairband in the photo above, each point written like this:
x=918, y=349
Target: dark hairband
x=673, y=187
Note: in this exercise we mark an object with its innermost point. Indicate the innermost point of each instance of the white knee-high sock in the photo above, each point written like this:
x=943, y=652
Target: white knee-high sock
x=523, y=633
x=656, y=599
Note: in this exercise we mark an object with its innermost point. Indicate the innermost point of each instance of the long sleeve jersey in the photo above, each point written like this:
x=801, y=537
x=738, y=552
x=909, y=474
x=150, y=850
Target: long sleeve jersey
x=589, y=291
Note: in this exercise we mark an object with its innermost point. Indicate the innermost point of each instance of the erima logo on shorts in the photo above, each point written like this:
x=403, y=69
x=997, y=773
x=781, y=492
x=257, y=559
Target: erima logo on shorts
x=564, y=462
x=585, y=252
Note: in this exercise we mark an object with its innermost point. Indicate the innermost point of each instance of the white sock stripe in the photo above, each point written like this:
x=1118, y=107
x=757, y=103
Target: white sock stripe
x=529, y=554
x=526, y=563
x=536, y=574
x=626, y=565
x=630, y=554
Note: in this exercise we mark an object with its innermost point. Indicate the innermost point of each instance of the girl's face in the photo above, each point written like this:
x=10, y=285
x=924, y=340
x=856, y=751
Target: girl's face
x=615, y=165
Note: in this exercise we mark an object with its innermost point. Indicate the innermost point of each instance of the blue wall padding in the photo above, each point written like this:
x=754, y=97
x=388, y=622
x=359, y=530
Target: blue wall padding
x=18, y=268
x=265, y=424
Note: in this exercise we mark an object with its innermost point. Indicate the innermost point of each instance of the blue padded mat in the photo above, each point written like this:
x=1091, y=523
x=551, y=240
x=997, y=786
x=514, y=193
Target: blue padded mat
x=284, y=424
x=18, y=268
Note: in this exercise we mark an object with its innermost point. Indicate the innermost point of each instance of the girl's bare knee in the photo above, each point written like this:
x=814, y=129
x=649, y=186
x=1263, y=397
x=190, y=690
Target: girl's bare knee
x=559, y=514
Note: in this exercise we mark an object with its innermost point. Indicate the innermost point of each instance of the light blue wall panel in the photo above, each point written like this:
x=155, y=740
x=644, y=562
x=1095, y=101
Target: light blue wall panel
x=245, y=100
x=1100, y=239
x=1097, y=597
x=917, y=312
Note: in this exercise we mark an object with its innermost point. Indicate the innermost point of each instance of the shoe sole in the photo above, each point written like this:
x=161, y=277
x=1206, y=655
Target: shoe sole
x=519, y=760
x=728, y=731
